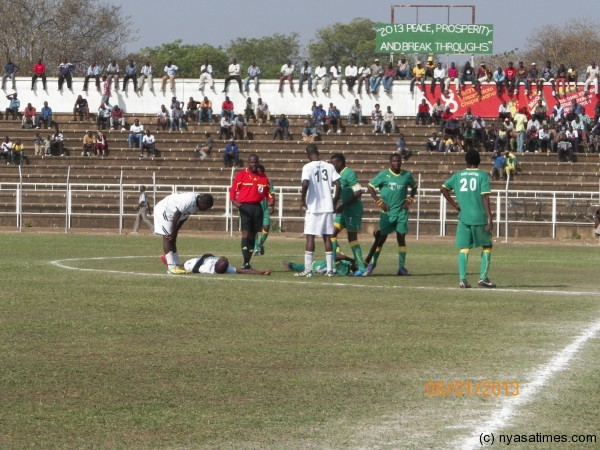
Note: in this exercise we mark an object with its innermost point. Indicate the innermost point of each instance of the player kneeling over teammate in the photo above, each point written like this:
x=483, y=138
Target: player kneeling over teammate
x=211, y=264
x=471, y=187
x=169, y=216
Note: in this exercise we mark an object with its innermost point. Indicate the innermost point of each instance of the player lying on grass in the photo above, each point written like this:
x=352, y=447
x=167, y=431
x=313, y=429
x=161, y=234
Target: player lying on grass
x=210, y=264
x=343, y=266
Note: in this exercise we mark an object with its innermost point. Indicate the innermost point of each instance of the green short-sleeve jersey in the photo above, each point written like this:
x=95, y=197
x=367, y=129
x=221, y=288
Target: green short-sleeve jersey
x=349, y=184
x=264, y=202
x=468, y=186
x=393, y=188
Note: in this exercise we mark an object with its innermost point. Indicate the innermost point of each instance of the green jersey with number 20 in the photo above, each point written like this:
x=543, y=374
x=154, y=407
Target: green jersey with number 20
x=468, y=186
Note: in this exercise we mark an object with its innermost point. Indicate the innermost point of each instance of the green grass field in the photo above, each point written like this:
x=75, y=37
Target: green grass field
x=104, y=350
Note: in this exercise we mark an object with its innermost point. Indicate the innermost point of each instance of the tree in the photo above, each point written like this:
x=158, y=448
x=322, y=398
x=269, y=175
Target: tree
x=188, y=58
x=79, y=30
x=342, y=42
x=270, y=52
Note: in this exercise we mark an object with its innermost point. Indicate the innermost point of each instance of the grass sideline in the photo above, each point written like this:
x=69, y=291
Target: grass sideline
x=141, y=360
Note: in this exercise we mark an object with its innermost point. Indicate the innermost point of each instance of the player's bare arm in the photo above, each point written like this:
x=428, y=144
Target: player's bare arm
x=446, y=193
x=485, y=198
x=303, y=195
x=411, y=199
x=375, y=197
x=337, y=191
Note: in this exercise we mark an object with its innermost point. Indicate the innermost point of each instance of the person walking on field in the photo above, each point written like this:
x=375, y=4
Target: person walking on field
x=142, y=212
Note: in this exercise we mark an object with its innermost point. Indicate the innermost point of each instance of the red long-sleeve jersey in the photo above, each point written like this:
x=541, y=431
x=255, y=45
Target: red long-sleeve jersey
x=250, y=187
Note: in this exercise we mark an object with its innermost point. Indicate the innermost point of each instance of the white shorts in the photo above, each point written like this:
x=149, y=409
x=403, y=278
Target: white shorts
x=162, y=226
x=318, y=224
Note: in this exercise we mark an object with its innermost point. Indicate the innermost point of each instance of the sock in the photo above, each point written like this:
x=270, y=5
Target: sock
x=329, y=259
x=176, y=259
x=256, y=241
x=463, y=258
x=334, y=245
x=169, y=258
x=263, y=238
x=308, y=259
x=486, y=256
x=376, y=256
x=246, y=254
x=401, y=256
x=358, y=256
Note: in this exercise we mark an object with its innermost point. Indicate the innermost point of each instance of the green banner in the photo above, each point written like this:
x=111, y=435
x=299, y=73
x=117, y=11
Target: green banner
x=434, y=38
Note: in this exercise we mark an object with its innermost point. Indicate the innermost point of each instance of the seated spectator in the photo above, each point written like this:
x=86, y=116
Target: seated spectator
x=206, y=77
x=39, y=71
x=498, y=166
x=103, y=116
x=117, y=117
x=45, y=116
x=468, y=117
x=564, y=147
x=429, y=67
x=355, y=114
x=282, y=129
x=57, y=146
x=404, y=152
x=544, y=139
x=253, y=75
x=335, y=75
x=521, y=77
x=452, y=127
x=170, y=71
x=547, y=77
x=532, y=78
x=470, y=138
x=376, y=76
x=446, y=116
x=489, y=140
x=177, y=118
x=136, y=133
x=17, y=152
x=47, y=146
x=540, y=112
x=484, y=75
x=234, y=74
x=309, y=132
x=205, y=148
x=561, y=80
x=225, y=127
x=452, y=76
x=30, y=119
x=206, y=111
x=364, y=75
x=558, y=112
x=81, y=109
x=239, y=125
x=377, y=119
x=591, y=77
x=320, y=115
x=423, y=114
x=499, y=77
x=130, y=74
x=249, y=110
x=227, y=107
x=13, y=107
x=112, y=72
x=163, y=118
x=7, y=147
x=532, y=138
x=305, y=77
x=389, y=122
x=262, y=111
x=468, y=74
x=38, y=143
x=439, y=76
x=333, y=120
x=191, y=110
x=504, y=111
x=351, y=73
x=510, y=78
x=320, y=76
x=433, y=143
x=418, y=77
x=146, y=75
x=89, y=144
x=436, y=111
x=389, y=74
x=446, y=145
x=286, y=73
x=148, y=144
x=511, y=166
x=10, y=70
x=231, y=156
x=502, y=139
x=404, y=72
x=479, y=129
x=100, y=144
x=572, y=77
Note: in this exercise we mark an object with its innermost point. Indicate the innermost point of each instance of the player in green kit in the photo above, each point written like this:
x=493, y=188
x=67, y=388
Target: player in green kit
x=394, y=203
x=349, y=213
x=259, y=245
x=471, y=187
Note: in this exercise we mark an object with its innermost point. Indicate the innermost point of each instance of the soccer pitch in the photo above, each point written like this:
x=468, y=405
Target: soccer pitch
x=99, y=348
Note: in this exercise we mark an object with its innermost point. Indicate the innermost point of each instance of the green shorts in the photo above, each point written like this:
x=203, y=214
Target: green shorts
x=350, y=222
x=266, y=217
x=398, y=223
x=472, y=236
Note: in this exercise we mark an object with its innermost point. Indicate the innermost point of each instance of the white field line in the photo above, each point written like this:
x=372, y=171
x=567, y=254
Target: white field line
x=502, y=416
x=69, y=264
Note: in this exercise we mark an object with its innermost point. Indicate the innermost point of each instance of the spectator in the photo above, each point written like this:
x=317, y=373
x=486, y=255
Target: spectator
x=38, y=144
x=10, y=70
x=112, y=73
x=103, y=116
x=225, y=126
x=418, y=77
x=177, y=118
x=547, y=77
x=364, y=75
x=429, y=67
x=89, y=144
x=520, y=123
x=377, y=119
x=57, y=144
x=320, y=115
x=117, y=117
x=130, y=74
x=191, y=110
x=205, y=148
x=305, y=77
x=498, y=166
x=100, y=144
x=106, y=92
x=389, y=124
x=433, y=143
x=376, y=76
x=335, y=74
x=142, y=212
x=499, y=78
x=206, y=77
x=351, y=73
x=479, y=129
x=286, y=73
x=7, y=150
x=30, y=119
x=81, y=109
x=540, y=112
x=239, y=126
x=484, y=75
x=262, y=111
x=146, y=75
x=510, y=78
x=148, y=144
x=511, y=167
x=445, y=118
x=355, y=113
x=206, y=110
x=389, y=74
x=544, y=139
x=227, y=107
x=452, y=77
x=18, y=153
x=47, y=146
x=13, y=106
x=93, y=71
x=309, y=132
x=234, y=74
x=249, y=110
x=321, y=76
x=521, y=77
x=253, y=75
x=231, y=156
x=591, y=76
x=468, y=74
x=423, y=114
x=572, y=77
x=403, y=69
x=136, y=133
x=39, y=71
x=504, y=111
x=333, y=120
x=64, y=74
x=532, y=77
x=170, y=71
x=283, y=128
x=561, y=80
x=439, y=76
x=565, y=147
x=436, y=111
x=468, y=117
x=404, y=152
